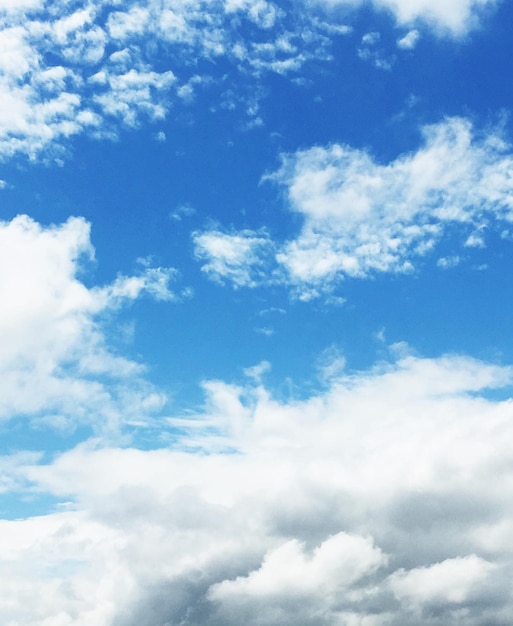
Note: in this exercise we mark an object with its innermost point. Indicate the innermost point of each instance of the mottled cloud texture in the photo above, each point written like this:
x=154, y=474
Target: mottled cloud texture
x=383, y=500
x=66, y=70
x=361, y=217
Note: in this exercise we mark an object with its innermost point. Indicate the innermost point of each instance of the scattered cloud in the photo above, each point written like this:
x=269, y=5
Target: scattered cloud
x=68, y=70
x=369, y=51
x=447, y=262
x=331, y=364
x=371, y=39
x=475, y=240
x=267, y=331
x=184, y=210
x=257, y=371
x=361, y=217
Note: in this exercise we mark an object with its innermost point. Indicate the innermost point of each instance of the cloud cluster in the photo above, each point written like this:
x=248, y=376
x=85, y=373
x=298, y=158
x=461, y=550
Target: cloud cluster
x=56, y=367
x=68, y=69
x=361, y=217
x=454, y=18
x=238, y=258
x=384, y=500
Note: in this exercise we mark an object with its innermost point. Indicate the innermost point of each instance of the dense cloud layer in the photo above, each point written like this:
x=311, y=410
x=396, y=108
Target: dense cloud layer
x=384, y=500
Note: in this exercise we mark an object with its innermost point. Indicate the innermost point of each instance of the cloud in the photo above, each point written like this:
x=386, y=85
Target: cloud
x=368, y=51
x=239, y=258
x=448, y=262
x=453, y=19
x=385, y=498
x=306, y=583
x=361, y=217
x=66, y=70
x=55, y=360
x=409, y=41
x=449, y=582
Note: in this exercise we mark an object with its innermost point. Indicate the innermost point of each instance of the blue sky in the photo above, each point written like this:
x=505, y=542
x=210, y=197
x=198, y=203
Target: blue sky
x=256, y=360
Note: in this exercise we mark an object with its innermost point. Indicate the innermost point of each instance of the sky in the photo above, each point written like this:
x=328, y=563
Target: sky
x=256, y=359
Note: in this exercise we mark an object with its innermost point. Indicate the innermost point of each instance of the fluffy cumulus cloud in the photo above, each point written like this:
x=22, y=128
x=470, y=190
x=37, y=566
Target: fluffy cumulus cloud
x=55, y=359
x=384, y=500
x=361, y=216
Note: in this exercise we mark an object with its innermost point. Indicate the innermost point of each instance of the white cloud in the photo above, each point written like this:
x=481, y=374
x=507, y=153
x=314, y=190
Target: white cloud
x=54, y=353
x=286, y=571
x=371, y=39
x=384, y=499
x=451, y=581
x=256, y=372
x=102, y=73
x=182, y=211
x=236, y=257
x=331, y=363
x=454, y=18
x=361, y=217
x=409, y=41
x=105, y=67
x=475, y=240
x=448, y=261
x=132, y=93
x=369, y=51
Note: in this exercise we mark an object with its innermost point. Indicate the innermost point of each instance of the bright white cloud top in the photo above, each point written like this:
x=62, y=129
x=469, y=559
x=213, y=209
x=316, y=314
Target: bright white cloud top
x=383, y=500
x=54, y=349
x=256, y=362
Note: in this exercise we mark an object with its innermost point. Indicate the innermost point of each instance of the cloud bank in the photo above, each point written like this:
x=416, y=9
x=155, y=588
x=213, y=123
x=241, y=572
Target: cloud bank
x=384, y=500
